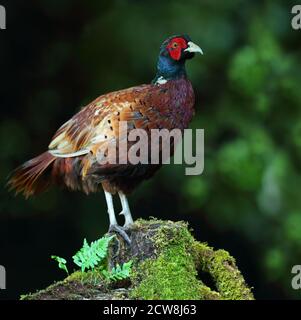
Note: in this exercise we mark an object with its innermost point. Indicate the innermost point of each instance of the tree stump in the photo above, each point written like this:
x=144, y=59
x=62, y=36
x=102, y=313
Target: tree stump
x=168, y=263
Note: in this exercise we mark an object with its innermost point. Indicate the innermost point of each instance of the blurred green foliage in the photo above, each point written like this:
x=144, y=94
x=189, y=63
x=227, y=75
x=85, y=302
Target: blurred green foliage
x=248, y=100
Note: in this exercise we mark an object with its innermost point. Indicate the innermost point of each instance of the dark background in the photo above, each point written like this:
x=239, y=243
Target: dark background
x=58, y=55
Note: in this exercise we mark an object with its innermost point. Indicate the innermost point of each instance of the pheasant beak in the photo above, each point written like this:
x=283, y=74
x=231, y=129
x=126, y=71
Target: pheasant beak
x=192, y=47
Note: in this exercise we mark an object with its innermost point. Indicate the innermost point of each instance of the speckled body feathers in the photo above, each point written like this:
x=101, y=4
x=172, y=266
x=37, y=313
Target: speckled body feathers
x=72, y=156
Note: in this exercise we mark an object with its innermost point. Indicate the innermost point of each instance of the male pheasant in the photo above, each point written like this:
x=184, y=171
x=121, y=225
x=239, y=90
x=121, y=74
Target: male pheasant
x=72, y=156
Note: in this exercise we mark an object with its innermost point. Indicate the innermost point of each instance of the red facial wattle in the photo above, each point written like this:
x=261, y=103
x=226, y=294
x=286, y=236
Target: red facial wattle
x=175, y=47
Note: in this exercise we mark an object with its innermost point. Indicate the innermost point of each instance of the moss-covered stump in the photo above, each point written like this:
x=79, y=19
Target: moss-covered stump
x=168, y=263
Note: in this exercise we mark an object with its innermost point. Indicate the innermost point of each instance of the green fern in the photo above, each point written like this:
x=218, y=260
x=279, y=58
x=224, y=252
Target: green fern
x=89, y=256
x=118, y=272
x=92, y=256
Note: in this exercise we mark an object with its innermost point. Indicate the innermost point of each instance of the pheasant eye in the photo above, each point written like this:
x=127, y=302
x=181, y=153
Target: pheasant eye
x=174, y=45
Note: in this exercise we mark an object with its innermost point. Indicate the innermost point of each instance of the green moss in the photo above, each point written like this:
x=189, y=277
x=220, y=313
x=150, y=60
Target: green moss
x=90, y=277
x=222, y=268
x=74, y=287
x=173, y=274
x=170, y=276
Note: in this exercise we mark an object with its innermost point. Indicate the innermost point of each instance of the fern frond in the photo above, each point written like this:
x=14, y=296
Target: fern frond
x=61, y=263
x=119, y=272
x=89, y=256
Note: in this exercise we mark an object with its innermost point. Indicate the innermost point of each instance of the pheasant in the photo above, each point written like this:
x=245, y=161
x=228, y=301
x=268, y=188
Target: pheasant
x=72, y=156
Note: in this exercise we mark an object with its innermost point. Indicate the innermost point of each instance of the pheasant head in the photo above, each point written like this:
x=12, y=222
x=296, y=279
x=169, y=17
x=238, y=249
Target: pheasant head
x=174, y=51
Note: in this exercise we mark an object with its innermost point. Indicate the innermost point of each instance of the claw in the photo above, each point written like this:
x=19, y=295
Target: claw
x=116, y=228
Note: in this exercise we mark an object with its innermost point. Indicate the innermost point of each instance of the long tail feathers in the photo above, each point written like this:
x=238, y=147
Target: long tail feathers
x=31, y=178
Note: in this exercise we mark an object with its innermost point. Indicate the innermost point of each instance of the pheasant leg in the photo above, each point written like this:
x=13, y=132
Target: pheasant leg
x=125, y=210
x=114, y=227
